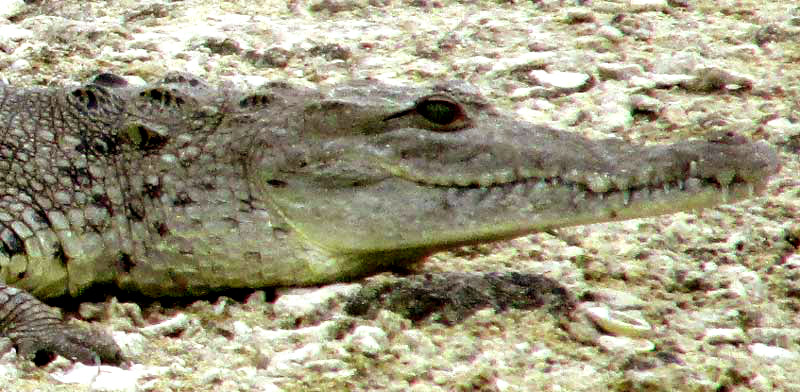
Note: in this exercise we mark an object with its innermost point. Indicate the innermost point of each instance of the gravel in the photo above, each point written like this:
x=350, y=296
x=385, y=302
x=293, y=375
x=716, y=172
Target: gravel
x=716, y=288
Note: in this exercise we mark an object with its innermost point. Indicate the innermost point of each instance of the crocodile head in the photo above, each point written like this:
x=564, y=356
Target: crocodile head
x=384, y=174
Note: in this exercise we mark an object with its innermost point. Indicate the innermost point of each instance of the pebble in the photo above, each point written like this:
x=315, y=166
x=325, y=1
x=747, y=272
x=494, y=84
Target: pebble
x=630, y=323
x=610, y=33
x=308, y=303
x=772, y=353
x=579, y=15
x=174, y=325
x=670, y=80
x=149, y=46
x=709, y=78
x=107, y=378
x=783, y=337
x=529, y=59
x=647, y=5
x=619, y=71
x=563, y=82
x=614, y=111
x=624, y=344
x=724, y=335
x=368, y=340
x=644, y=103
x=11, y=8
x=781, y=130
x=133, y=345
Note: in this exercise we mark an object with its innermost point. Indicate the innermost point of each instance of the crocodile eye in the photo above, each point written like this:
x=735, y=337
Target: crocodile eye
x=439, y=110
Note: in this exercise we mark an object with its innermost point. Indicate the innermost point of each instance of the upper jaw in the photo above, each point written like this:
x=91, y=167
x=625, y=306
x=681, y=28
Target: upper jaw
x=597, y=166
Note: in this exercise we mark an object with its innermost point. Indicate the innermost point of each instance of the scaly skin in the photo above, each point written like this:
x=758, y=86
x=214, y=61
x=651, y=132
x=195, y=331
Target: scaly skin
x=180, y=189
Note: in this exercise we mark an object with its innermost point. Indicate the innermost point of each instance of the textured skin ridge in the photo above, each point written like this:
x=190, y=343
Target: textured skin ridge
x=180, y=189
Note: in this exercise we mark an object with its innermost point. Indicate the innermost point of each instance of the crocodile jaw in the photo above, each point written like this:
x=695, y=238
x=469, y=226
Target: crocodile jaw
x=424, y=204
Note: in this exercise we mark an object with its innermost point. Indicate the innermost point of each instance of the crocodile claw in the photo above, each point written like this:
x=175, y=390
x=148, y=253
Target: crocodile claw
x=36, y=329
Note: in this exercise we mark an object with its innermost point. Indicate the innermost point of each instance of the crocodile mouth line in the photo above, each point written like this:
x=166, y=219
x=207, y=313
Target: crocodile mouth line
x=735, y=188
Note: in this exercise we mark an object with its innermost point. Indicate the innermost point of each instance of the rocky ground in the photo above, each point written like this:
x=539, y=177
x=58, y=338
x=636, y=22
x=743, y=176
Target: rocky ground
x=703, y=301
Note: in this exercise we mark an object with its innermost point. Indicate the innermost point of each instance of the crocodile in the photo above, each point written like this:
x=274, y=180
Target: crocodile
x=179, y=188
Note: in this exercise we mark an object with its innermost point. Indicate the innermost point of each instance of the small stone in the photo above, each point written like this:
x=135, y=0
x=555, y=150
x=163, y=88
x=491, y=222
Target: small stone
x=772, y=353
x=680, y=63
x=714, y=78
x=642, y=83
x=284, y=362
x=647, y=5
x=674, y=114
x=618, y=71
x=20, y=65
x=670, y=80
x=12, y=8
x=782, y=337
x=173, y=326
x=527, y=60
x=257, y=300
x=743, y=282
x=12, y=36
x=781, y=130
x=127, y=313
x=368, y=340
x=132, y=344
x=630, y=323
x=615, y=111
x=307, y=303
x=624, y=344
x=103, y=378
x=611, y=33
x=213, y=375
x=9, y=372
x=563, y=81
x=724, y=335
x=643, y=103
x=418, y=342
x=334, y=6
x=91, y=311
x=579, y=15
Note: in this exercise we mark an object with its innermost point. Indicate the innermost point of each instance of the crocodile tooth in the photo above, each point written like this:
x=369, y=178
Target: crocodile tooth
x=681, y=184
x=693, y=172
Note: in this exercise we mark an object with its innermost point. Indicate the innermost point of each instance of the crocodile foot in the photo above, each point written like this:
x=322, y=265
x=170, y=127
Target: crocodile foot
x=38, y=332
